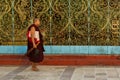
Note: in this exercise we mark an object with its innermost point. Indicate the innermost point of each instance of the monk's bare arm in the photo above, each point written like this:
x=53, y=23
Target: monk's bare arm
x=32, y=36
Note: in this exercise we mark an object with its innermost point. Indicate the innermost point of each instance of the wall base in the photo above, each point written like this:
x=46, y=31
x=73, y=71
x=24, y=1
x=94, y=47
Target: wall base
x=82, y=60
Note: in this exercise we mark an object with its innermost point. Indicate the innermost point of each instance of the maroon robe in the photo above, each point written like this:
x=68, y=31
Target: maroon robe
x=31, y=55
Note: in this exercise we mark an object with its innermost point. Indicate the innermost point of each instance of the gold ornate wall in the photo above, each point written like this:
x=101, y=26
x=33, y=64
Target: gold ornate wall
x=64, y=22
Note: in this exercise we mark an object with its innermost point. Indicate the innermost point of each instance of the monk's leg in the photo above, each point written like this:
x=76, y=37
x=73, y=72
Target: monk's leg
x=34, y=66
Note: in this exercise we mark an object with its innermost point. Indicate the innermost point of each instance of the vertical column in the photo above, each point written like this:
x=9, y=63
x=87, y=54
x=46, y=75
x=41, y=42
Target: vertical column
x=69, y=20
x=88, y=43
x=50, y=22
x=50, y=12
x=108, y=26
x=108, y=32
x=13, y=36
x=31, y=11
x=13, y=39
x=119, y=25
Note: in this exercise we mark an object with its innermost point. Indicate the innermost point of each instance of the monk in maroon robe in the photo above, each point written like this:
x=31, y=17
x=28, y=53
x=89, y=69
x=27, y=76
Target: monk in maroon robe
x=35, y=44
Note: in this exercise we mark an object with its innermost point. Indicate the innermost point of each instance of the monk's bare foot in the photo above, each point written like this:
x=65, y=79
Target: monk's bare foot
x=35, y=69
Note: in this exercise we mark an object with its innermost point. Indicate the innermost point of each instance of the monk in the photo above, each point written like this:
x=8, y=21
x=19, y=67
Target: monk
x=35, y=44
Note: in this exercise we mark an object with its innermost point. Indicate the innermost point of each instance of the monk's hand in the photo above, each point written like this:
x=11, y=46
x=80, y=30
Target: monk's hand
x=34, y=46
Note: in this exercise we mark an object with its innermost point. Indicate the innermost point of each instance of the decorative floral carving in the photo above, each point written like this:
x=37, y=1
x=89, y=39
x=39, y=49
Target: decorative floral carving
x=63, y=22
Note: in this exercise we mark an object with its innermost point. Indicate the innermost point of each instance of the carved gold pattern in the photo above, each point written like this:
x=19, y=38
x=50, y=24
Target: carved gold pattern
x=63, y=22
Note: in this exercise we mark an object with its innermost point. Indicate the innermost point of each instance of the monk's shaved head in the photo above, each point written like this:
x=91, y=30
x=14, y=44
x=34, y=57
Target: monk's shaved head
x=36, y=21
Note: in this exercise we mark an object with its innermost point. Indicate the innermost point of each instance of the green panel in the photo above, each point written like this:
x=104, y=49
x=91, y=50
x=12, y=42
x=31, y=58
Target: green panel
x=79, y=22
x=114, y=14
x=22, y=20
x=99, y=22
x=6, y=31
x=60, y=22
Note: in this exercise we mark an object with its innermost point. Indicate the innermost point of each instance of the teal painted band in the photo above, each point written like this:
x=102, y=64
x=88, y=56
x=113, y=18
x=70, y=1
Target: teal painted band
x=64, y=49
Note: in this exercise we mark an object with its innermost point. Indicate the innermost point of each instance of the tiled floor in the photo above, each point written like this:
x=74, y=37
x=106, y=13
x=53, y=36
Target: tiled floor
x=60, y=73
